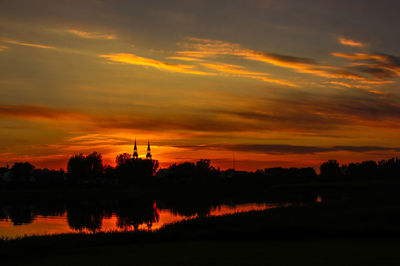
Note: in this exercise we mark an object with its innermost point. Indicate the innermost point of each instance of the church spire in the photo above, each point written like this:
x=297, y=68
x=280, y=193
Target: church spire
x=135, y=153
x=148, y=155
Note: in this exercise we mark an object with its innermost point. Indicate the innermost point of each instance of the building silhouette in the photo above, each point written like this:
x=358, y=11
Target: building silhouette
x=135, y=154
x=148, y=155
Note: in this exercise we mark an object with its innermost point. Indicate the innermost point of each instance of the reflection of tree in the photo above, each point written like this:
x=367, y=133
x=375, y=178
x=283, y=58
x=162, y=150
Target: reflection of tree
x=49, y=208
x=25, y=213
x=85, y=215
x=133, y=214
x=21, y=214
x=191, y=206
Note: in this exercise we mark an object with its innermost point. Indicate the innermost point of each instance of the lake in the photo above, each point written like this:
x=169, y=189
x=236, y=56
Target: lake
x=43, y=218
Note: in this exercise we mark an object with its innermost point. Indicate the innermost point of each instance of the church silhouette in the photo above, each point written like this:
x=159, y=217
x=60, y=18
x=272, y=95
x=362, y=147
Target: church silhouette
x=135, y=154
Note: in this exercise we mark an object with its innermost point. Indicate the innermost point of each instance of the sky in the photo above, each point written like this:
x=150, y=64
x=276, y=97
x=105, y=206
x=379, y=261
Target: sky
x=263, y=83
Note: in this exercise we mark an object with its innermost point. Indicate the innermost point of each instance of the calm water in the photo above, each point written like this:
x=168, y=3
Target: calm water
x=91, y=217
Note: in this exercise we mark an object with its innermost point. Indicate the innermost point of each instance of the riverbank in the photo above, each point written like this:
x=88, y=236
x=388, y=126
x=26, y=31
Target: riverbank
x=337, y=233
x=351, y=224
x=343, y=252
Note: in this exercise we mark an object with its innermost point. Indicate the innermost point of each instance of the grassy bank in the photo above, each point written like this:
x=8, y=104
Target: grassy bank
x=319, y=234
x=356, y=224
x=286, y=253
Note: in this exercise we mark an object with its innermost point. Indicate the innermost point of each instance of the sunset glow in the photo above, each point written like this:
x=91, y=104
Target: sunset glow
x=261, y=83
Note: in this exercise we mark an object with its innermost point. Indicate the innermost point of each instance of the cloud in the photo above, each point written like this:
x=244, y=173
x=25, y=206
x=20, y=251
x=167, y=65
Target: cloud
x=336, y=74
x=281, y=149
x=91, y=140
x=181, y=121
x=29, y=44
x=378, y=72
x=183, y=58
x=142, y=61
x=2, y=47
x=348, y=85
x=37, y=112
x=376, y=82
x=362, y=56
x=205, y=48
x=379, y=65
x=290, y=112
x=350, y=42
x=239, y=71
x=91, y=35
x=379, y=92
x=189, y=69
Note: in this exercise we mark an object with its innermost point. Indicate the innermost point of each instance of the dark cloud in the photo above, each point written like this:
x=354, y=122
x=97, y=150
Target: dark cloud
x=380, y=65
x=289, y=111
x=280, y=149
x=291, y=59
x=37, y=112
x=379, y=73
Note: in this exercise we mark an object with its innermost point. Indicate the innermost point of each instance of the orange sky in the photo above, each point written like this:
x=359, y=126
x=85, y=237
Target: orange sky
x=257, y=80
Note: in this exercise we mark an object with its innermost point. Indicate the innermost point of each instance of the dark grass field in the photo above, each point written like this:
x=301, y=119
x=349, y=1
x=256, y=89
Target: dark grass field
x=354, y=225
x=311, y=235
x=305, y=252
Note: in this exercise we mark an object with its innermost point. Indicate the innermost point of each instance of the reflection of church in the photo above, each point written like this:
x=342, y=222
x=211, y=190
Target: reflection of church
x=136, y=155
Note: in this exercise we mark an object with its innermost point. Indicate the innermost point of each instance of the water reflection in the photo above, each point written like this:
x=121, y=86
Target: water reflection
x=133, y=215
x=20, y=219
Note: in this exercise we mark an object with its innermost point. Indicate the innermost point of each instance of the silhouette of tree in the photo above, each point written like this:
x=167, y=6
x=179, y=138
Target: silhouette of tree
x=123, y=159
x=330, y=169
x=85, y=169
x=109, y=175
x=22, y=171
x=307, y=173
x=130, y=170
x=202, y=170
x=366, y=169
x=46, y=177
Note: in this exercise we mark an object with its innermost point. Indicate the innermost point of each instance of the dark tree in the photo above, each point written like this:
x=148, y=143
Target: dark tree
x=331, y=169
x=200, y=171
x=23, y=169
x=85, y=169
x=131, y=170
x=122, y=159
x=22, y=172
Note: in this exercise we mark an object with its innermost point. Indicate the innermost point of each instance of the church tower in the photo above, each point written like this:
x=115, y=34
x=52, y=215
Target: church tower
x=135, y=154
x=148, y=155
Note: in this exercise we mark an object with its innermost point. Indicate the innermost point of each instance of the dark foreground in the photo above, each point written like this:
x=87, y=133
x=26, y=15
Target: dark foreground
x=354, y=225
x=311, y=235
x=305, y=252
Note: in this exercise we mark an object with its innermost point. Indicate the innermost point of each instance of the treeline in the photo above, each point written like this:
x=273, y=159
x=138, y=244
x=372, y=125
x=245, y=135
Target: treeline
x=364, y=170
x=90, y=170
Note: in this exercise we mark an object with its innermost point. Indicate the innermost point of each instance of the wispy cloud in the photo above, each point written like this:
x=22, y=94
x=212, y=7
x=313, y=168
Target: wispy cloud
x=350, y=42
x=240, y=71
x=362, y=56
x=348, y=85
x=183, y=58
x=37, y=112
x=205, y=48
x=297, y=149
x=2, y=47
x=91, y=35
x=142, y=61
x=379, y=65
x=28, y=44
